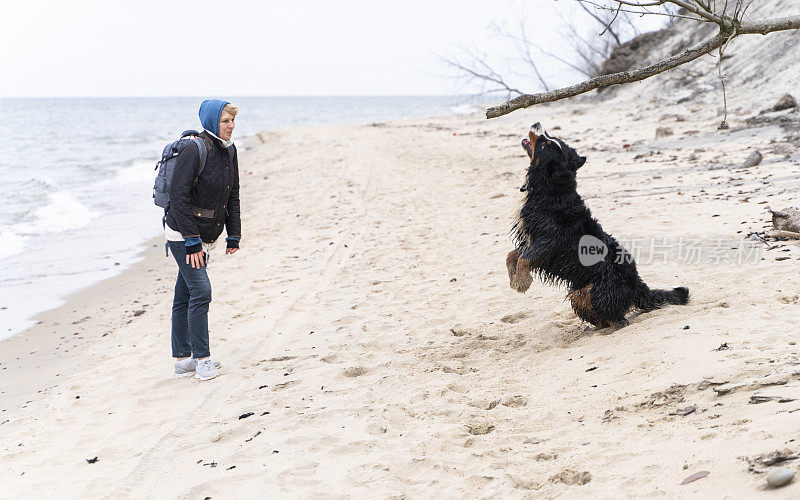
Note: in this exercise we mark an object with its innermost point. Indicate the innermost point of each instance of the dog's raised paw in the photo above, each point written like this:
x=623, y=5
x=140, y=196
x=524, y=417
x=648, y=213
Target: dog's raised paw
x=519, y=273
x=523, y=275
x=511, y=265
x=521, y=282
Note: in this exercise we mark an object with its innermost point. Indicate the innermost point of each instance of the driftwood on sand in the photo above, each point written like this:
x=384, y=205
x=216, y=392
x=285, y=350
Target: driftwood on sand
x=786, y=223
x=777, y=233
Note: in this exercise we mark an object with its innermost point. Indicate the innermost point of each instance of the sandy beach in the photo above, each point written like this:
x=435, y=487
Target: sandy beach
x=371, y=345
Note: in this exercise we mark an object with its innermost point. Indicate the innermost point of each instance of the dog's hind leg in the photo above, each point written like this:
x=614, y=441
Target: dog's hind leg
x=581, y=301
x=602, y=305
x=620, y=323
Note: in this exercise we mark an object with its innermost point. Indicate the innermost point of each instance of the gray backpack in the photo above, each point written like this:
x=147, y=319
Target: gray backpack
x=166, y=166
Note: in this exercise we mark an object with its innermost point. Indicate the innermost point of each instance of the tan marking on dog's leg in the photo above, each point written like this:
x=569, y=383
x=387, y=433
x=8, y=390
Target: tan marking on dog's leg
x=581, y=301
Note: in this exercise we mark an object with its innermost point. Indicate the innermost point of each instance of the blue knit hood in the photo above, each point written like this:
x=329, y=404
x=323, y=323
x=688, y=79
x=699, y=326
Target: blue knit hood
x=210, y=113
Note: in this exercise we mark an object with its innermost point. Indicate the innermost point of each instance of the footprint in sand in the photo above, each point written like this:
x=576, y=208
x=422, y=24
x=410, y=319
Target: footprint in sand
x=514, y=318
x=479, y=481
x=480, y=428
x=460, y=388
x=284, y=385
x=163, y=383
x=484, y=404
x=303, y=476
x=354, y=371
x=332, y=358
x=460, y=330
x=281, y=358
x=570, y=476
x=521, y=483
x=515, y=401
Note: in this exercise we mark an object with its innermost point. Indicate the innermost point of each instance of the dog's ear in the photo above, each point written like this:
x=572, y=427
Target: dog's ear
x=575, y=160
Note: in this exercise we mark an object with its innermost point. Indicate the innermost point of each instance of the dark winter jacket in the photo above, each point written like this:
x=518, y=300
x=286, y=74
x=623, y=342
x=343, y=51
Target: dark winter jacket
x=203, y=209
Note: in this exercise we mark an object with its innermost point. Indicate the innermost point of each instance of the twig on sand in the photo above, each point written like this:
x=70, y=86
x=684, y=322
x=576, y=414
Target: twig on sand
x=778, y=233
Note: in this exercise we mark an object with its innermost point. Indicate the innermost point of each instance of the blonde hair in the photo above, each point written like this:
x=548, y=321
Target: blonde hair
x=231, y=108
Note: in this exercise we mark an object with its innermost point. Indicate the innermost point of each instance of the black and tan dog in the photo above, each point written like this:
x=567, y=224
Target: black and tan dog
x=559, y=241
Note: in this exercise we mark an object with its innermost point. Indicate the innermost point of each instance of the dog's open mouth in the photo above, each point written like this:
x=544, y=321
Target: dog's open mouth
x=529, y=143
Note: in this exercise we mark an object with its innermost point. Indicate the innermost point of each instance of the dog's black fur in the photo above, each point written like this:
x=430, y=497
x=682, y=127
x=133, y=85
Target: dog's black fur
x=547, y=232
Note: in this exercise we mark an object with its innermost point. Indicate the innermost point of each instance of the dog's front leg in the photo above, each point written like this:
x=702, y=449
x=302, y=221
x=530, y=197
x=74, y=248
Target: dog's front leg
x=511, y=265
x=519, y=272
x=523, y=276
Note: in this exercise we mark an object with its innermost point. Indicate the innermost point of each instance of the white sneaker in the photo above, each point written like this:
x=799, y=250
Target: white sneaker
x=187, y=367
x=205, y=369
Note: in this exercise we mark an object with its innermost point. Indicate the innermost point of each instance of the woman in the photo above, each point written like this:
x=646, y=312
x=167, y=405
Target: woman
x=200, y=206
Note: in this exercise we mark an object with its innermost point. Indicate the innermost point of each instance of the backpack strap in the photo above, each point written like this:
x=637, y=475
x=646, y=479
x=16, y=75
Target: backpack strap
x=187, y=133
x=203, y=148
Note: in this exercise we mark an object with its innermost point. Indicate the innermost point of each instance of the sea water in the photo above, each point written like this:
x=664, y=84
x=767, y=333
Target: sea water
x=76, y=176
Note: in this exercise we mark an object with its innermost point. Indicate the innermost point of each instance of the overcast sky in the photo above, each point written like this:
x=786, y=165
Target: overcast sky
x=243, y=47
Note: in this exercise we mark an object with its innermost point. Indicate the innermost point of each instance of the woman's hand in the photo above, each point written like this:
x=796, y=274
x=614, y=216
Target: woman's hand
x=195, y=259
x=230, y=251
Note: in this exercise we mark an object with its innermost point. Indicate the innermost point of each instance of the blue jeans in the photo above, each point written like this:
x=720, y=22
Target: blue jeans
x=189, y=307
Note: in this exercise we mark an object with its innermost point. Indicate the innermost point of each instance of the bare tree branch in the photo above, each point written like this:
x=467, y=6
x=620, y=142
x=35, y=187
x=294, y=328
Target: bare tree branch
x=696, y=8
x=565, y=61
x=671, y=15
x=724, y=124
x=523, y=44
x=590, y=54
x=728, y=30
x=525, y=100
x=603, y=22
x=630, y=24
x=591, y=50
x=769, y=26
x=484, y=72
x=608, y=26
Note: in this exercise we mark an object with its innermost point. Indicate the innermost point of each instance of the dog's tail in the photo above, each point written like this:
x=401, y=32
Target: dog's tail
x=646, y=299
